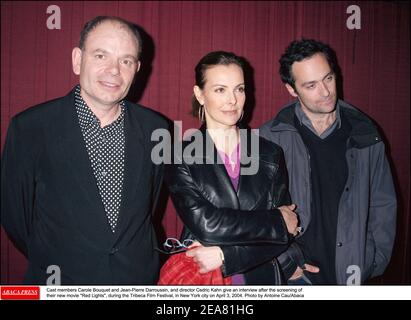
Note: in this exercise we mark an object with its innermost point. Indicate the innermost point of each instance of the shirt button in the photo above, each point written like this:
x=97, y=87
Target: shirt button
x=339, y=244
x=103, y=174
x=346, y=189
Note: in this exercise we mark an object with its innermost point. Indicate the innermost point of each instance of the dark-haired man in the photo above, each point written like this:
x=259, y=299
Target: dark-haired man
x=78, y=186
x=339, y=175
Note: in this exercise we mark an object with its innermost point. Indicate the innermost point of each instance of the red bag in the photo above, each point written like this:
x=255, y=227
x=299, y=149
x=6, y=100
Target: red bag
x=182, y=270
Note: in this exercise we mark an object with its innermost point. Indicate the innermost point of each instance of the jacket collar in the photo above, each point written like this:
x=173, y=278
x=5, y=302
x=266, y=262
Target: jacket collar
x=72, y=144
x=208, y=142
x=363, y=132
x=216, y=171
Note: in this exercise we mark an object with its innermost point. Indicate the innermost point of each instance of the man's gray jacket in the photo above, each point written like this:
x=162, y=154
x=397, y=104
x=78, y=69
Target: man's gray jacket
x=367, y=208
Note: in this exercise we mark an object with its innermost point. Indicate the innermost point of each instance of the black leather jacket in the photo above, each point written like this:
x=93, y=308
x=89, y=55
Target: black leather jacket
x=245, y=224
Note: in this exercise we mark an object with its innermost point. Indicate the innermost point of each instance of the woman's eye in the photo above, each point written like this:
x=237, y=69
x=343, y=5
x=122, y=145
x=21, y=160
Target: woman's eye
x=220, y=90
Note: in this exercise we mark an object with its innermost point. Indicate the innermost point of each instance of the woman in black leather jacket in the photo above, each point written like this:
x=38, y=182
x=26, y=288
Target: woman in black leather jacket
x=238, y=212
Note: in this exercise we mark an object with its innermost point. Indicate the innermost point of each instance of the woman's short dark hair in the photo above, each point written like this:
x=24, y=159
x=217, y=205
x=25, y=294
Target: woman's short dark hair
x=210, y=60
x=93, y=23
x=299, y=50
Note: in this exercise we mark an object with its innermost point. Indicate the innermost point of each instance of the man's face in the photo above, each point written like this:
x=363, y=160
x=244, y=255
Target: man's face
x=106, y=65
x=315, y=85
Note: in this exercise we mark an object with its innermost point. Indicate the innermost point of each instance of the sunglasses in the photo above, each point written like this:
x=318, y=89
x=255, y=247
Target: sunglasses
x=173, y=245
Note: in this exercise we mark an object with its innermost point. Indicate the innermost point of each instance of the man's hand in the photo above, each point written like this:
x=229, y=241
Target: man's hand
x=299, y=272
x=207, y=258
x=290, y=218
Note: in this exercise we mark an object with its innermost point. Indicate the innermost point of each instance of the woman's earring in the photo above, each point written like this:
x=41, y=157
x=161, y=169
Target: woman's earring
x=242, y=114
x=201, y=114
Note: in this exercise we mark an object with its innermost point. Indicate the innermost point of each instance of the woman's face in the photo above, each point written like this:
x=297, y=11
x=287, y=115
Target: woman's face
x=223, y=95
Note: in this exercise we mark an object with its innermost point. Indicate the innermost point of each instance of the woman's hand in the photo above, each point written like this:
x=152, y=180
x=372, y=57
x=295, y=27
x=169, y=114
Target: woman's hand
x=207, y=258
x=290, y=218
x=299, y=272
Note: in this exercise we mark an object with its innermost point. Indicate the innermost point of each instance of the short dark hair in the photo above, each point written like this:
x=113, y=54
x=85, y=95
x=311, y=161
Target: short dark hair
x=299, y=50
x=93, y=23
x=210, y=60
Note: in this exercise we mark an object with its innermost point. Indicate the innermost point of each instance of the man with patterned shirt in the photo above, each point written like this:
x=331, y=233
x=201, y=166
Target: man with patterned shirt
x=78, y=184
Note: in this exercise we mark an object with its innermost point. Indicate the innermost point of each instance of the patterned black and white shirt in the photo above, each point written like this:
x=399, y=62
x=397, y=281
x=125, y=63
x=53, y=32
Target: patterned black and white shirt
x=105, y=147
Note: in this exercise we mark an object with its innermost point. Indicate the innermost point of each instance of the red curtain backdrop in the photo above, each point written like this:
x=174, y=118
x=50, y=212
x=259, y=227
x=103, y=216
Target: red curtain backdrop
x=36, y=66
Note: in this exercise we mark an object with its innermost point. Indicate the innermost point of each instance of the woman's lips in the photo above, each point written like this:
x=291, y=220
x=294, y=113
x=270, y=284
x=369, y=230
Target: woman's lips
x=230, y=112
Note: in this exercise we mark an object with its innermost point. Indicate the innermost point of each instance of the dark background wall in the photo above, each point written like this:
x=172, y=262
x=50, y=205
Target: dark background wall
x=36, y=66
